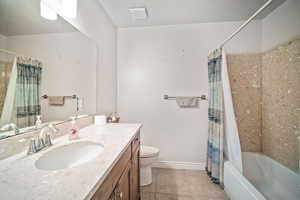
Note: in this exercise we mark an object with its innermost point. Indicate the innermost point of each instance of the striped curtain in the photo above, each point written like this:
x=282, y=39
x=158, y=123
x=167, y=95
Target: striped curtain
x=27, y=102
x=215, y=144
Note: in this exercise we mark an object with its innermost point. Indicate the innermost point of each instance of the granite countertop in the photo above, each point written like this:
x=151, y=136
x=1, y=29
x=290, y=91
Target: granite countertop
x=20, y=179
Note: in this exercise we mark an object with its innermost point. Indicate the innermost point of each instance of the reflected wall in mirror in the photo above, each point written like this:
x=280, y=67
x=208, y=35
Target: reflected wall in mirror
x=40, y=57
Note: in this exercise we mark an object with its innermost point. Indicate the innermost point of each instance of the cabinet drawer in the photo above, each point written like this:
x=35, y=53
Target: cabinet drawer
x=135, y=144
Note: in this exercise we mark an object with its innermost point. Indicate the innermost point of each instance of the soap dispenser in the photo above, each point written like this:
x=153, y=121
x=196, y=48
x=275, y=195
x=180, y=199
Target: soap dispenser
x=74, y=131
x=38, y=122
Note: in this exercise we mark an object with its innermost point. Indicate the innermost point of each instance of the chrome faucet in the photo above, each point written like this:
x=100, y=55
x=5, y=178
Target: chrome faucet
x=43, y=140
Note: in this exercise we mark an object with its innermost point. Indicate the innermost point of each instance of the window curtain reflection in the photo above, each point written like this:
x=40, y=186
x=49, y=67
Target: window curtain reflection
x=5, y=70
x=27, y=102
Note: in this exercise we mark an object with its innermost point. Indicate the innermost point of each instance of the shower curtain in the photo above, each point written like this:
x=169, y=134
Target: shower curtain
x=223, y=140
x=27, y=100
x=215, y=144
x=233, y=151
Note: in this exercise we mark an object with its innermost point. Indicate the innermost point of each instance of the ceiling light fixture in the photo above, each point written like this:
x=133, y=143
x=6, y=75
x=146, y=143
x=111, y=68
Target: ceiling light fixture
x=47, y=11
x=69, y=8
x=51, y=8
x=138, y=13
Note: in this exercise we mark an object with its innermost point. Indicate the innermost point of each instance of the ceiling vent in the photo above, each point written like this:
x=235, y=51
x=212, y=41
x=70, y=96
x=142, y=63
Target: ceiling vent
x=138, y=13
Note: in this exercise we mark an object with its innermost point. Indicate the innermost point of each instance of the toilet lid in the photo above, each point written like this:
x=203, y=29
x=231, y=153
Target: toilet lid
x=147, y=151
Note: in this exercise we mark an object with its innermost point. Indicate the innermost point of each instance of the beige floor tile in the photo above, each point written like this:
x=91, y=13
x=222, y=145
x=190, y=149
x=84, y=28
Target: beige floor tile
x=173, y=182
x=207, y=189
x=162, y=196
x=148, y=196
x=170, y=184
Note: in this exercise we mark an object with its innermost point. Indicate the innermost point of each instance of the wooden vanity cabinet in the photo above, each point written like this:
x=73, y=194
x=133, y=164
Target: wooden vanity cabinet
x=123, y=188
x=123, y=181
x=135, y=175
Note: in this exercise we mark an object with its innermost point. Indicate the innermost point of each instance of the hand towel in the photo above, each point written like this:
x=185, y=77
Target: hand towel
x=56, y=100
x=187, y=102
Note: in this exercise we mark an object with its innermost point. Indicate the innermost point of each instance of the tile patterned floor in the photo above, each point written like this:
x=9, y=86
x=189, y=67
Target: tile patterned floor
x=170, y=184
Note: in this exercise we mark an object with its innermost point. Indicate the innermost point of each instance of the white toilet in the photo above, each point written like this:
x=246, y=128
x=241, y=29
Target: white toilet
x=148, y=156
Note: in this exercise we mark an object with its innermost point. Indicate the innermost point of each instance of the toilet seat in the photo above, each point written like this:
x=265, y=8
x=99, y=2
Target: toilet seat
x=147, y=151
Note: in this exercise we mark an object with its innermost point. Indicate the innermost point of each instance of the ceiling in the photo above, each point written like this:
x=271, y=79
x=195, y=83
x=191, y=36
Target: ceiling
x=22, y=17
x=169, y=12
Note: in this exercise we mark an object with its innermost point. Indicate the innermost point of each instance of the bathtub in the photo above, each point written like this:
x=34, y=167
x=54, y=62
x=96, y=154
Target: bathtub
x=262, y=179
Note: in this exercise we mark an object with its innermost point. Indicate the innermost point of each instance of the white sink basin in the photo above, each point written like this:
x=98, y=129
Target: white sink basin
x=70, y=155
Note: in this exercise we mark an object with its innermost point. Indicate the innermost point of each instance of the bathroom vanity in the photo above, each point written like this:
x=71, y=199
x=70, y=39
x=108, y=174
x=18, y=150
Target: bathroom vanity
x=108, y=169
x=122, y=183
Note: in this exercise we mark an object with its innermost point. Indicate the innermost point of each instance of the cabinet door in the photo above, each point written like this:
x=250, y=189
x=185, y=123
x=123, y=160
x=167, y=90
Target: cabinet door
x=113, y=196
x=135, y=175
x=111, y=181
x=123, y=188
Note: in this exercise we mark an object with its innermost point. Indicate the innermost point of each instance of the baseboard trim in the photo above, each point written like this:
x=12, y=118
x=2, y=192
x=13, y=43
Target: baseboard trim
x=179, y=165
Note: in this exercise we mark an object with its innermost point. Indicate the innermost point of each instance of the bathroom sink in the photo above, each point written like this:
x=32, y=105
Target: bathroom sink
x=69, y=156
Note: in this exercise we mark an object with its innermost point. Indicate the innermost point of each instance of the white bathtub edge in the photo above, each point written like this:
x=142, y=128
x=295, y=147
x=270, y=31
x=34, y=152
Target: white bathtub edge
x=237, y=187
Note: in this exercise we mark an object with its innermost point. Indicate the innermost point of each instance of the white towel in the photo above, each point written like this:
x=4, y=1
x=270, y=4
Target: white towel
x=56, y=100
x=187, y=102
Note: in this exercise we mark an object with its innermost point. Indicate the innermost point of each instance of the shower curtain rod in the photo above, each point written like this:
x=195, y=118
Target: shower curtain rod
x=8, y=52
x=246, y=22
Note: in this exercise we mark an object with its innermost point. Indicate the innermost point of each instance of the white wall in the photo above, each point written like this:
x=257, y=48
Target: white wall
x=282, y=25
x=70, y=61
x=3, y=45
x=2, y=42
x=94, y=22
x=172, y=60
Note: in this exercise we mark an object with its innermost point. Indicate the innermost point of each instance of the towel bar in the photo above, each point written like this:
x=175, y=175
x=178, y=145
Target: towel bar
x=74, y=96
x=167, y=97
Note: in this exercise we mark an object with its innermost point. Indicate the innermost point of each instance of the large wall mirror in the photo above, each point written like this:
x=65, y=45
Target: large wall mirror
x=42, y=67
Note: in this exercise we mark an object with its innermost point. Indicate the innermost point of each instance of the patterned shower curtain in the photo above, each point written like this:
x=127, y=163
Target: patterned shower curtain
x=27, y=101
x=215, y=145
